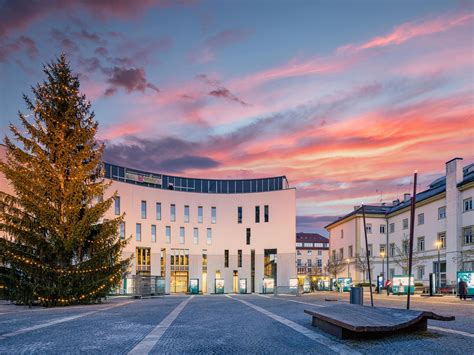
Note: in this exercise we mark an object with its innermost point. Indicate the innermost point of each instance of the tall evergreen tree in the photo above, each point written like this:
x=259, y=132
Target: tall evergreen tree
x=59, y=249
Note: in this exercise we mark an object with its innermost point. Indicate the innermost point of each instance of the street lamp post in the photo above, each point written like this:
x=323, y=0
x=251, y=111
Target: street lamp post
x=438, y=281
x=382, y=254
x=348, y=268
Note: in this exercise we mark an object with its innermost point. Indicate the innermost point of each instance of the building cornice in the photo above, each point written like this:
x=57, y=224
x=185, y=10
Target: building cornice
x=350, y=218
x=418, y=204
x=467, y=186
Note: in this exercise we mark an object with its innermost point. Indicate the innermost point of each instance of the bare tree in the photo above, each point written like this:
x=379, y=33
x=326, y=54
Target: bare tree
x=403, y=255
x=361, y=263
x=463, y=257
x=334, y=266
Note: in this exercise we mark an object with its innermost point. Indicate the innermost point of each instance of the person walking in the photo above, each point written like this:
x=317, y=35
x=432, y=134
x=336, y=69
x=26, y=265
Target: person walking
x=462, y=289
x=400, y=288
x=388, y=285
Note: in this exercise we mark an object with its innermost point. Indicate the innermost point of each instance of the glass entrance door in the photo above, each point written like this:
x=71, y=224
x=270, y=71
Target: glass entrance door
x=179, y=270
x=235, y=282
x=179, y=281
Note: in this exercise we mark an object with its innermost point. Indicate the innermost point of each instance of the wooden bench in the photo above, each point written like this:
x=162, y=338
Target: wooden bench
x=355, y=321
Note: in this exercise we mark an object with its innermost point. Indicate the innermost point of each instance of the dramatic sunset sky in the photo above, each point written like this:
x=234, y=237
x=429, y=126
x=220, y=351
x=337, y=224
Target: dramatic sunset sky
x=345, y=98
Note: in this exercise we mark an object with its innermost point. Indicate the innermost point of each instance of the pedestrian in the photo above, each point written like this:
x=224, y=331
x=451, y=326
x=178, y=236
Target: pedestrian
x=388, y=285
x=462, y=289
x=400, y=288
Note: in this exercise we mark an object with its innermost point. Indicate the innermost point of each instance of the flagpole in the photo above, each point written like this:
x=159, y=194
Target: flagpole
x=412, y=229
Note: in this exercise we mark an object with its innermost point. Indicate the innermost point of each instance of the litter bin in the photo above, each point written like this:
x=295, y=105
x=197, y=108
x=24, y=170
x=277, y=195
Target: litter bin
x=357, y=295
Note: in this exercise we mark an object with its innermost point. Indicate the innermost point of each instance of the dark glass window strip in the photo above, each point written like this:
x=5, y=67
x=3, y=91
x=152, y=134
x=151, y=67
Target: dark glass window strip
x=119, y=173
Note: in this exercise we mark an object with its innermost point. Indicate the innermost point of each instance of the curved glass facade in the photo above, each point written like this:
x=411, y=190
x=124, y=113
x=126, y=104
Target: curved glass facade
x=168, y=182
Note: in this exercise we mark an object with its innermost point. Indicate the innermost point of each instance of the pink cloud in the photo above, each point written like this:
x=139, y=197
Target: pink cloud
x=411, y=30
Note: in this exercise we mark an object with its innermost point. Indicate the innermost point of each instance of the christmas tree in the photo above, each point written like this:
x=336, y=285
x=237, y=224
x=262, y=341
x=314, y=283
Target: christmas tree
x=58, y=248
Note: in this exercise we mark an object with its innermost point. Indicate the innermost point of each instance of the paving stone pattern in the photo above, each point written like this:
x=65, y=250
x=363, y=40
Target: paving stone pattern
x=217, y=324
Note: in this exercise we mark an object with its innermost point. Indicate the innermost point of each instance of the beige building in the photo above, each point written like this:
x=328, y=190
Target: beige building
x=312, y=252
x=444, y=224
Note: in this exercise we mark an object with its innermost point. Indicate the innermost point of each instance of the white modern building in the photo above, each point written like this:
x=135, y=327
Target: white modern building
x=444, y=226
x=238, y=232
x=226, y=230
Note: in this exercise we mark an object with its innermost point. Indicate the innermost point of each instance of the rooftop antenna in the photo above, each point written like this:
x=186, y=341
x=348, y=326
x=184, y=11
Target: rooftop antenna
x=380, y=194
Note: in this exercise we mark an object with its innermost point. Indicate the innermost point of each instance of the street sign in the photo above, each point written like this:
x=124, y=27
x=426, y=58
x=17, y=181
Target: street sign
x=219, y=286
x=345, y=283
x=468, y=277
x=243, y=285
x=194, y=286
x=400, y=285
x=268, y=285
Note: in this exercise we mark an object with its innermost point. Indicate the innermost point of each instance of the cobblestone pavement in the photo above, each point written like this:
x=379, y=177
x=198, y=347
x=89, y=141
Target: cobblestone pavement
x=220, y=324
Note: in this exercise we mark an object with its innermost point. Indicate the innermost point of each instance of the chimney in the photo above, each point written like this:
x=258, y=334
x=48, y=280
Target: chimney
x=406, y=197
x=454, y=170
x=395, y=202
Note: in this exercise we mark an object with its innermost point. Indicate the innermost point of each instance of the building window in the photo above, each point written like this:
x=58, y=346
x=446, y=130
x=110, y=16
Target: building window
x=392, y=227
x=341, y=253
x=266, y=213
x=467, y=203
x=442, y=212
x=143, y=260
x=186, y=214
x=168, y=234
x=298, y=262
x=299, y=245
x=122, y=230
x=342, y=233
x=309, y=263
x=421, y=272
x=333, y=255
x=442, y=271
x=213, y=214
x=320, y=252
x=257, y=214
x=382, y=228
x=310, y=252
x=173, y=213
x=199, y=214
x=181, y=235
x=158, y=211
x=405, y=247
x=369, y=251
x=391, y=273
x=350, y=252
x=368, y=226
x=319, y=262
x=226, y=258
x=239, y=258
x=442, y=239
x=248, y=236
x=382, y=248
x=143, y=209
x=467, y=233
x=405, y=223
x=138, y=232
x=117, y=205
x=239, y=214
x=153, y=233
x=421, y=244
x=196, y=236
x=392, y=249
x=421, y=219
x=209, y=236
x=298, y=252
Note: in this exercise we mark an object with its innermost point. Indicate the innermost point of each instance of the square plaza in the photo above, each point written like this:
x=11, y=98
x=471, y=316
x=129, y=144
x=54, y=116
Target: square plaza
x=220, y=324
